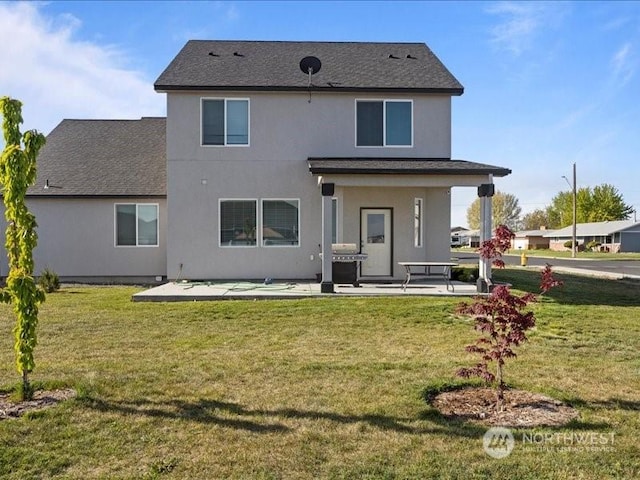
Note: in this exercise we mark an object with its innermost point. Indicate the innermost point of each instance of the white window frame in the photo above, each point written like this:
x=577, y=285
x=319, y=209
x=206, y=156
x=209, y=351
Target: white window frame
x=115, y=225
x=384, y=121
x=419, y=241
x=262, y=200
x=258, y=218
x=225, y=144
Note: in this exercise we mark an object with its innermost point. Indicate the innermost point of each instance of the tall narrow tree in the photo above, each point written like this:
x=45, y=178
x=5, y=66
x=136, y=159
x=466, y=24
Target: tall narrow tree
x=17, y=173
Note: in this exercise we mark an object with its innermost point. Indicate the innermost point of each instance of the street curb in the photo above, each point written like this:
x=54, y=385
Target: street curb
x=588, y=273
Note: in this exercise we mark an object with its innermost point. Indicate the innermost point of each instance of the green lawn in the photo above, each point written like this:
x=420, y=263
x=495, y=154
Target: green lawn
x=314, y=388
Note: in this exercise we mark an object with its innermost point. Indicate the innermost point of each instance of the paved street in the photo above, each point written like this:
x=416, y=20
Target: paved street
x=620, y=267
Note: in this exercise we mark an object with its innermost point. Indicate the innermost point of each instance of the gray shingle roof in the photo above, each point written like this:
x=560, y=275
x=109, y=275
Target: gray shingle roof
x=103, y=158
x=434, y=166
x=595, y=229
x=532, y=233
x=346, y=66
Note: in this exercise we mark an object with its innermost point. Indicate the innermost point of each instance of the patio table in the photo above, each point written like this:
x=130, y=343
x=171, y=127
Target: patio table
x=442, y=270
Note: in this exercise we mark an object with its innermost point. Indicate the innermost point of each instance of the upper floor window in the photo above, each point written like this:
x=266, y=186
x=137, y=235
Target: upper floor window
x=384, y=123
x=136, y=225
x=225, y=121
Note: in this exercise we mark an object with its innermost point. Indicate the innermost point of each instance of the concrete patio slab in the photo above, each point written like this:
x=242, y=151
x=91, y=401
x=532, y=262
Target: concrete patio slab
x=210, y=290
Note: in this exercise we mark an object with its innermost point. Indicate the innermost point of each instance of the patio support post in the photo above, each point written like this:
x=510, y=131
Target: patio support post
x=485, y=192
x=327, y=275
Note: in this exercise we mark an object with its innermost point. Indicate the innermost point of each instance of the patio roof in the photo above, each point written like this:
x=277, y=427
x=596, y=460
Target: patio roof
x=402, y=166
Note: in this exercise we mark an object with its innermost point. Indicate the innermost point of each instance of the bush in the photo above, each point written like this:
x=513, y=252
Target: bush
x=568, y=244
x=49, y=281
x=592, y=245
x=464, y=274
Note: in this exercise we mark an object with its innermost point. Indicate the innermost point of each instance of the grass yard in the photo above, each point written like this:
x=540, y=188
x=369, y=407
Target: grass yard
x=315, y=388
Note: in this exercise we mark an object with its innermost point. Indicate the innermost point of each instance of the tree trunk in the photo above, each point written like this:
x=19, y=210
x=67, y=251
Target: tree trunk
x=27, y=393
x=500, y=389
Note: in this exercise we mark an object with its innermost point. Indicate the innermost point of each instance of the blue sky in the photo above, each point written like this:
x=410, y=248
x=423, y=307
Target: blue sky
x=546, y=84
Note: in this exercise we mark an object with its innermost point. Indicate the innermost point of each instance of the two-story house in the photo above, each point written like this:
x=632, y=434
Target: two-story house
x=274, y=151
x=259, y=133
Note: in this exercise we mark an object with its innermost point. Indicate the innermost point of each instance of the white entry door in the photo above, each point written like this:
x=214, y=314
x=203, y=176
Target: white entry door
x=375, y=228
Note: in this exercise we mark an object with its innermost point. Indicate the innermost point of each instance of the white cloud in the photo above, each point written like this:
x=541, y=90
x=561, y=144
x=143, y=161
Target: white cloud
x=623, y=64
x=521, y=22
x=615, y=24
x=57, y=76
x=515, y=32
x=572, y=118
x=232, y=13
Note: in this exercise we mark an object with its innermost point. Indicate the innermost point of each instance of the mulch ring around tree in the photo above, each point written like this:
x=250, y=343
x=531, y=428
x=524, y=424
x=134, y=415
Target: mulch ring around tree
x=41, y=399
x=521, y=408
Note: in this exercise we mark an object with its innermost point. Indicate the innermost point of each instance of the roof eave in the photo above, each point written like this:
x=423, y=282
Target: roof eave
x=176, y=88
x=387, y=171
x=86, y=196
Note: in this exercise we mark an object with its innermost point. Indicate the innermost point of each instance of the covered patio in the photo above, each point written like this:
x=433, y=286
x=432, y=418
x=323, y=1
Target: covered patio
x=397, y=210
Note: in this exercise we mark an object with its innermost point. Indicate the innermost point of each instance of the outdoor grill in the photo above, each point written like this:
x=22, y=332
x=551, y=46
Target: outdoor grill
x=344, y=262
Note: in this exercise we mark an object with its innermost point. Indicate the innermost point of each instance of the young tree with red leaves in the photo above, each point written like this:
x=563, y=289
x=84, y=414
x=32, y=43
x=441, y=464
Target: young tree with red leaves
x=500, y=317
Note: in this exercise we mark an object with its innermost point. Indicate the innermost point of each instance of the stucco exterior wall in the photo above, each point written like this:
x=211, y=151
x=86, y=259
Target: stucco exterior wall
x=194, y=191
x=286, y=129
x=77, y=239
x=436, y=219
x=195, y=252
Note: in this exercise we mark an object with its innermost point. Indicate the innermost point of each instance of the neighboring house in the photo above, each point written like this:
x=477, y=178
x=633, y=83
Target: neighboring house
x=463, y=237
x=266, y=165
x=614, y=236
x=457, y=236
x=100, y=201
x=530, y=239
x=471, y=239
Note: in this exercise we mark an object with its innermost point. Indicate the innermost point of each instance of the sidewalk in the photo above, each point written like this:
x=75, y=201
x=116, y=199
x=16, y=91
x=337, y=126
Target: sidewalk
x=590, y=273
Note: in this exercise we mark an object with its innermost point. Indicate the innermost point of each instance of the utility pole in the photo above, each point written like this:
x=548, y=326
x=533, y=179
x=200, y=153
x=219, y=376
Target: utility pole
x=575, y=213
x=574, y=240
